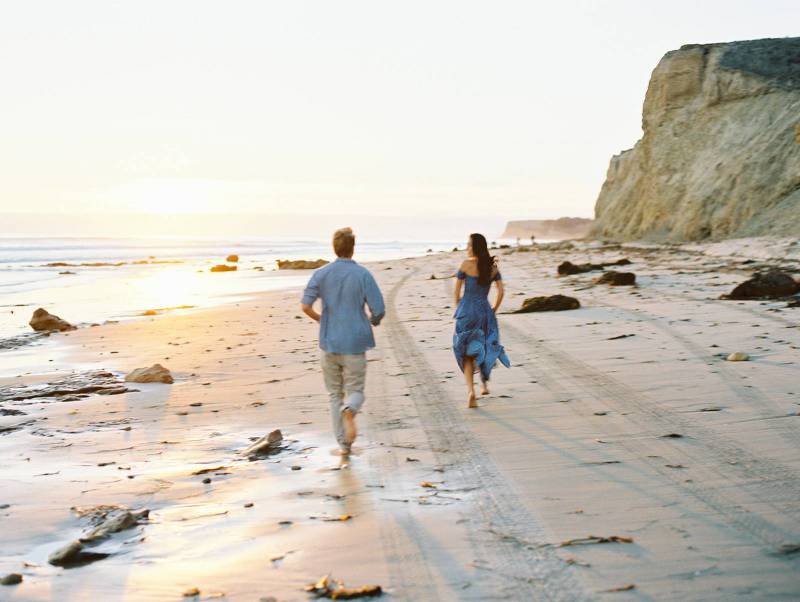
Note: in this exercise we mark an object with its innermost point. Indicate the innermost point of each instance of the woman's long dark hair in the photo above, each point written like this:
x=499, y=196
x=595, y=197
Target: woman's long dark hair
x=485, y=261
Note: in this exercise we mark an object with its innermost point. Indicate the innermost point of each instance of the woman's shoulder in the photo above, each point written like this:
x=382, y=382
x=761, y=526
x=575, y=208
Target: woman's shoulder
x=468, y=266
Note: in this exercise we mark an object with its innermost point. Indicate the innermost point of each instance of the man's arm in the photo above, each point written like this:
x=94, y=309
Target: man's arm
x=374, y=300
x=310, y=312
x=310, y=295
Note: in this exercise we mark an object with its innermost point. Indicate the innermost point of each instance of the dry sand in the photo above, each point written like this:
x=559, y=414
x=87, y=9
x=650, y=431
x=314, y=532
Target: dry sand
x=572, y=441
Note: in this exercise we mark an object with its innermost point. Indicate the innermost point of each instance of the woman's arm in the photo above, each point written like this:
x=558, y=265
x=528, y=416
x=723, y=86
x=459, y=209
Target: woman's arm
x=457, y=290
x=499, y=297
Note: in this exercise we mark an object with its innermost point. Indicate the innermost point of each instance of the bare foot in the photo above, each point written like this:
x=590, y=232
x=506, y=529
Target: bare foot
x=484, y=389
x=349, y=424
x=471, y=400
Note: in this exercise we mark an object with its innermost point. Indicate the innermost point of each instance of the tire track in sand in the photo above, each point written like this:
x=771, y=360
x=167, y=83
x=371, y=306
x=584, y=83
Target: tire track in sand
x=779, y=484
x=497, y=519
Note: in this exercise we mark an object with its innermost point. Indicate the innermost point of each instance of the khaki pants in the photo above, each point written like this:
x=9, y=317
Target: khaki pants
x=344, y=376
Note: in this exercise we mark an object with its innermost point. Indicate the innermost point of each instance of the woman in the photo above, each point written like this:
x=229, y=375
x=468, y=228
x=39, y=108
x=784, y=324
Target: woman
x=476, y=341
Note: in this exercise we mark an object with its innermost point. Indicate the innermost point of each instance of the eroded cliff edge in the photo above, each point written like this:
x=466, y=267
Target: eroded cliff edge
x=720, y=152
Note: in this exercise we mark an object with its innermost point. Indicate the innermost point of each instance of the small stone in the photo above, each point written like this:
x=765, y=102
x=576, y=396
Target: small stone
x=154, y=374
x=223, y=268
x=207, y=480
x=296, y=467
x=11, y=579
x=248, y=505
x=43, y=321
x=64, y=556
x=738, y=356
x=192, y=591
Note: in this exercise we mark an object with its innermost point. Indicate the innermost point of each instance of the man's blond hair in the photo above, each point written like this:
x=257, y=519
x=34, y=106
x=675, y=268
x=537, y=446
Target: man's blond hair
x=344, y=241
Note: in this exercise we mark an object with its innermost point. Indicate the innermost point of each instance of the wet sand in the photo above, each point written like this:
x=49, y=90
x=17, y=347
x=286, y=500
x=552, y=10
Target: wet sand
x=653, y=437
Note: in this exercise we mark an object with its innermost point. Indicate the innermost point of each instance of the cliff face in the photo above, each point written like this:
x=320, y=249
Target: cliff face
x=563, y=227
x=720, y=153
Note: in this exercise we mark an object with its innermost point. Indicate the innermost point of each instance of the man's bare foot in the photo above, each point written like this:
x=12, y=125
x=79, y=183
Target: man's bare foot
x=484, y=389
x=349, y=424
x=471, y=403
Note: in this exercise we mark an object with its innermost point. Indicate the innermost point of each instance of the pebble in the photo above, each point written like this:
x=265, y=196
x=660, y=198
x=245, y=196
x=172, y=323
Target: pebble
x=738, y=356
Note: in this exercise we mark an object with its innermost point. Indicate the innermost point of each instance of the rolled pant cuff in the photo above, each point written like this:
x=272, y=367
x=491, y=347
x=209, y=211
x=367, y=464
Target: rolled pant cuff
x=353, y=402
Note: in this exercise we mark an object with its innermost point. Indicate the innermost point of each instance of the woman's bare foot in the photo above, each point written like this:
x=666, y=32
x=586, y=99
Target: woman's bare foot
x=471, y=403
x=484, y=389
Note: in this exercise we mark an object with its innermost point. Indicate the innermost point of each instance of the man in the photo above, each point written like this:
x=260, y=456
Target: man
x=345, y=332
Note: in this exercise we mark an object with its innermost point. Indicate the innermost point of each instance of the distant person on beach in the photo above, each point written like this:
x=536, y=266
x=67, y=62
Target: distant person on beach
x=345, y=331
x=476, y=342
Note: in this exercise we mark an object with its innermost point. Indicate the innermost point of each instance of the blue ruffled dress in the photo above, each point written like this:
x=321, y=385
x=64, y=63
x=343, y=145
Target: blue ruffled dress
x=477, y=334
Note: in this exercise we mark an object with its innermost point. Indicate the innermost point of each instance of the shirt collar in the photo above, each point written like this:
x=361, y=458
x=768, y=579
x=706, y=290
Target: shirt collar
x=345, y=259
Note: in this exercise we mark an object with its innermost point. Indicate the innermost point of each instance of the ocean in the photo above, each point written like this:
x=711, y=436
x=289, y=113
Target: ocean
x=155, y=274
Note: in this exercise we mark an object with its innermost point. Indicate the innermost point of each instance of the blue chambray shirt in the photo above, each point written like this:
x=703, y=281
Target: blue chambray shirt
x=344, y=287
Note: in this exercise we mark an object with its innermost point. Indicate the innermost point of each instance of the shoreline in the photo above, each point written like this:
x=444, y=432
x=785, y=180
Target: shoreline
x=571, y=442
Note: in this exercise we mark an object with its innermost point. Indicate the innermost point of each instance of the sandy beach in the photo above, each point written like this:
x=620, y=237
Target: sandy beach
x=621, y=420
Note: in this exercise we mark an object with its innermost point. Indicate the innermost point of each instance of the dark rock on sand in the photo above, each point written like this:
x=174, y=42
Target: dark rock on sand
x=224, y=268
x=568, y=268
x=766, y=285
x=42, y=320
x=232, y=258
x=154, y=374
x=300, y=264
x=617, y=278
x=11, y=579
x=551, y=303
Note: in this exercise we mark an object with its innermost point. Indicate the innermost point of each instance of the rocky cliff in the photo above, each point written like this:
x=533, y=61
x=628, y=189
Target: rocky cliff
x=563, y=227
x=720, y=152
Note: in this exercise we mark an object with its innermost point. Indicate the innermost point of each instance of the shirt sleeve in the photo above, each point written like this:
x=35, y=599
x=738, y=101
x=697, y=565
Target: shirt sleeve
x=311, y=293
x=460, y=275
x=374, y=299
x=497, y=276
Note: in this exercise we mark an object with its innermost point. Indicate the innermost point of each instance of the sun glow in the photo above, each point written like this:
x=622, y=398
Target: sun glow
x=168, y=196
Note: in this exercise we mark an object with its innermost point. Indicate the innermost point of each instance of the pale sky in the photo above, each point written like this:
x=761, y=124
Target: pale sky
x=408, y=108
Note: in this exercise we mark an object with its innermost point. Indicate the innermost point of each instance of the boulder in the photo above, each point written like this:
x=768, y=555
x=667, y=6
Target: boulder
x=685, y=179
x=613, y=278
x=154, y=374
x=224, y=268
x=42, y=321
x=232, y=258
x=766, y=285
x=300, y=264
x=567, y=268
x=551, y=303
